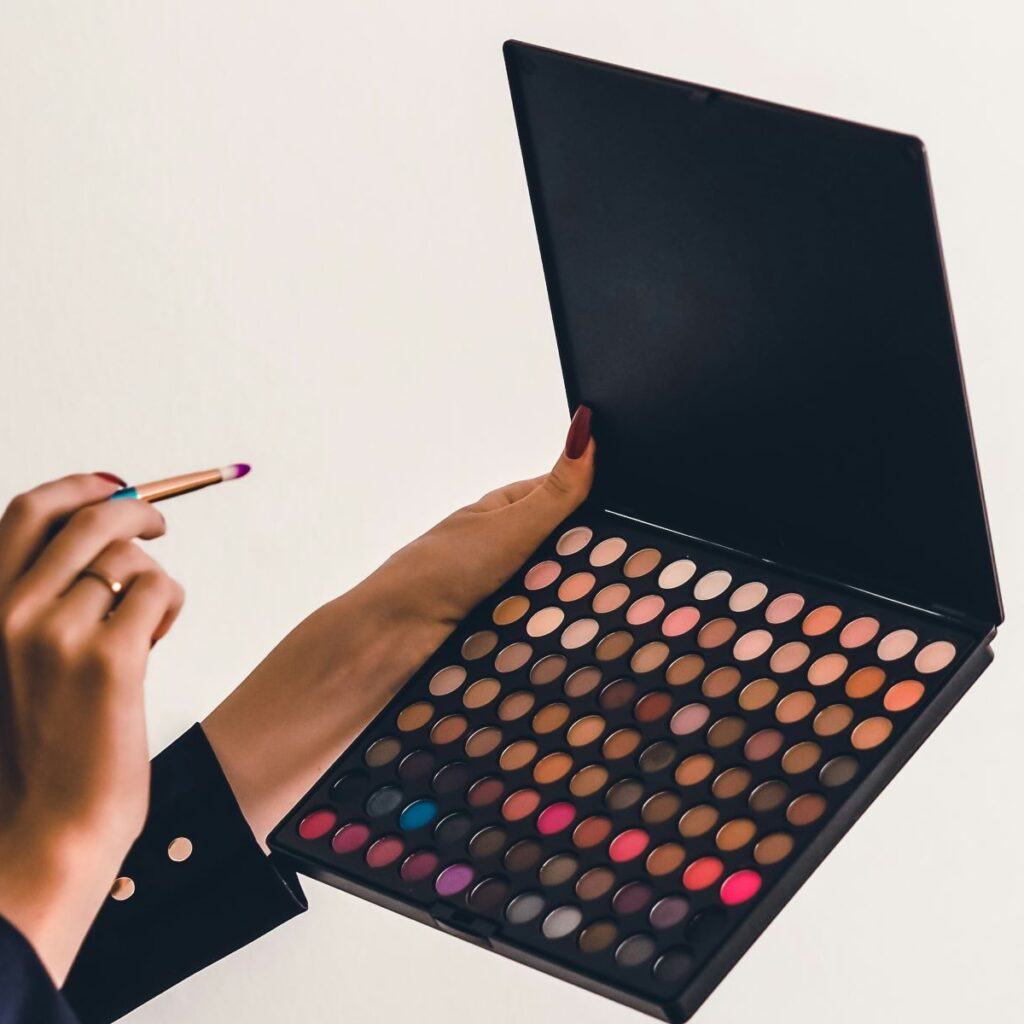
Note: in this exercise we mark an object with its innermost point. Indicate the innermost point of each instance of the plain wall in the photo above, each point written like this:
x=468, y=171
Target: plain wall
x=298, y=234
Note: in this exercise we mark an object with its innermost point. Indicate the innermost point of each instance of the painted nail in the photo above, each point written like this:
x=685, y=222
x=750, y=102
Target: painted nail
x=579, y=433
x=112, y=478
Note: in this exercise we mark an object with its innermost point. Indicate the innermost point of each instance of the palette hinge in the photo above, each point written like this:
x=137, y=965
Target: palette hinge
x=462, y=924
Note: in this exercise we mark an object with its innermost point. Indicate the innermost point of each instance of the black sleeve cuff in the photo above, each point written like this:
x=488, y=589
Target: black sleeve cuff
x=27, y=995
x=181, y=914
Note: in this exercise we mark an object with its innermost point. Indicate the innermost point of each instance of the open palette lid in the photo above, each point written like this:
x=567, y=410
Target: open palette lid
x=752, y=300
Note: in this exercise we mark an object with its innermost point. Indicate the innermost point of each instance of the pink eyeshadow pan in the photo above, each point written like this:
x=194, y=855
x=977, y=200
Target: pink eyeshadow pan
x=543, y=574
x=784, y=608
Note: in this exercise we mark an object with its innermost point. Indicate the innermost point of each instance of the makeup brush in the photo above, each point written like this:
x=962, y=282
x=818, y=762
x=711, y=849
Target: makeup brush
x=158, y=490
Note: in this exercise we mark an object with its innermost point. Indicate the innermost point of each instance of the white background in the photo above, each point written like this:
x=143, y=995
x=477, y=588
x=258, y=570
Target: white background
x=298, y=234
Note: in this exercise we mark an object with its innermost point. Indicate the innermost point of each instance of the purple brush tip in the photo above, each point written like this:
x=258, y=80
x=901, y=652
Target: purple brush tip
x=235, y=471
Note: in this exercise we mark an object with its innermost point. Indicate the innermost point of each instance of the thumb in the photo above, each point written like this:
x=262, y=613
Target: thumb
x=562, y=490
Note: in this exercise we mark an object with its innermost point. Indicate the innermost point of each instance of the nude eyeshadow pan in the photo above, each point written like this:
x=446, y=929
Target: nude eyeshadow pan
x=623, y=763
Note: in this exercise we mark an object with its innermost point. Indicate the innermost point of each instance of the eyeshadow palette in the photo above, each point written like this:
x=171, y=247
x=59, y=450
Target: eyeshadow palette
x=623, y=763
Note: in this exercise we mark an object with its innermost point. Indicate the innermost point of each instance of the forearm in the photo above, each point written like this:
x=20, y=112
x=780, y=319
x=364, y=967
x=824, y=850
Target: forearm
x=304, y=703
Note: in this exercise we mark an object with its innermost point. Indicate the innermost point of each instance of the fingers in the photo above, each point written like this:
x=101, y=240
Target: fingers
x=87, y=533
x=147, y=610
x=32, y=517
x=89, y=599
x=502, y=496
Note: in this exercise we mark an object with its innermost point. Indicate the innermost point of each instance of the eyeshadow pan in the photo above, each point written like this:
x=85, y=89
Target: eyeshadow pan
x=763, y=744
x=513, y=657
x=451, y=777
x=517, y=755
x=418, y=814
x=784, y=608
x=385, y=851
x=520, y=804
x=585, y=730
x=488, y=895
x=573, y=541
x=801, y=757
x=488, y=842
x=657, y=757
x=383, y=801
x=620, y=743
x=591, y=831
x=660, y=807
x=635, y=950
x=747, y=597
x=386, y=749
x=794, y=707
x=610, y=598
x=556, y=817
x=352, y=785
x=652, y=706
x=833, y=720
x=632, y=898
x=826, y=669
x=515, y=705
x=698, y=821
x=552, y=767
x=735, y=834
x=752, y=645
x=628, y=845
x=676, y=573
x=587, y=781
x=822, y=620
x=614, y=645
x=806, y=809
x=448, y=680
x=510, y=610
x=523, y=856
x=597, y=937
x=483, y=741
x=665, y=859
x=668, y=912
x=542, y=575
x=838, y=771
x=768, y=796
x=524, y=908
x=703, y=873
x=721, y=682
x=715, y=633
x=934, y=657
x=680, y=621
x=550, y=717
x=740, y=887
x=864, y=682
x=623, y=794
x=479, y=645
x=731, y=783
x=415, y=716
x=858, y=632
x=419, y=865
x=453, y=879
x=641, y=562
x=758, y=694
x=448, y=729
x=903, y=695
x=726, y=731
x=870, y=733
x=673, y=966
x=617, y=694
x=595, y=883
x=559, y=869
x=562, y=921
x=712, y=585
x=545, y=621
x=694, y=769
x=774, y=848
x=579, y=633
x=611, y=549
x=790, y=657
x=897, y=644
x=548, y=669
x=481, y=693
x=582, y=681
x=576, y=586
x=317, y=824
x=645, y=609
x=684, y=670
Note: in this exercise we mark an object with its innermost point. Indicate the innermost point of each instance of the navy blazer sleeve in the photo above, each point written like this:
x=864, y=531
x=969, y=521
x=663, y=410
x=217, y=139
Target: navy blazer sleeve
x=194, y=887
x=27, y=995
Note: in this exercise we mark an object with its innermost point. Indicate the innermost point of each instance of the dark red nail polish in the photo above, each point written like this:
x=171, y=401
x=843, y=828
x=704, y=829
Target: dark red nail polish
x=579, y=433
x=112, y=478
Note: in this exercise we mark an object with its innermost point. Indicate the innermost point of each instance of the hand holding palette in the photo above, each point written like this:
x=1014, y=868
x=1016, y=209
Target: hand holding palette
x=624, y=763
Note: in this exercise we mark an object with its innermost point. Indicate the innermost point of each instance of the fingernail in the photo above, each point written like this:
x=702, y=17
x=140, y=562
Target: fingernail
x=578, y=438
x=112, y=478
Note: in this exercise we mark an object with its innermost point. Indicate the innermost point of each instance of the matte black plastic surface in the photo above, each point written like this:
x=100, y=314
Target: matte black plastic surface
x=752, y=300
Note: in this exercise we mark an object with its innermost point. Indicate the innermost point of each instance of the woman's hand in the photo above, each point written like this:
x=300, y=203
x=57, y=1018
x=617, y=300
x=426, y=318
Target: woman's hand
x=74, y=763
x=319, y=687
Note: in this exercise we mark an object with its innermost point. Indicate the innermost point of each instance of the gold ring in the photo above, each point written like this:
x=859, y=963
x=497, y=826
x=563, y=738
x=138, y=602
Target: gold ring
x=114, y=586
